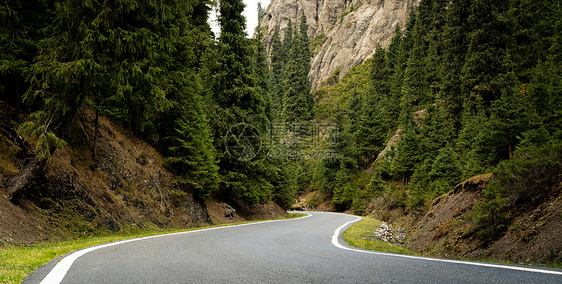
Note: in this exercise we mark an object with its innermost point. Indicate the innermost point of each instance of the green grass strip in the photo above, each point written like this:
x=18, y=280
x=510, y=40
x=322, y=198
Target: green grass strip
x=17, y=261
x=361, y=235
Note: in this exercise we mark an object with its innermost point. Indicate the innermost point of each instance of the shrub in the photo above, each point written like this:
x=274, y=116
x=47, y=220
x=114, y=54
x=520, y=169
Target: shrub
x=527, y=178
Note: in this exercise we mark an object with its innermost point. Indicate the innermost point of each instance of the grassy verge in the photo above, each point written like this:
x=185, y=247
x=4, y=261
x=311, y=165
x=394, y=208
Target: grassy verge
x=296, y=215
x=359, y=236
x=16, y=262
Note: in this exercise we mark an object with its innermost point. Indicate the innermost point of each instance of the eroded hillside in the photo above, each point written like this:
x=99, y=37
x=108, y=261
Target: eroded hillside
x=125, y=187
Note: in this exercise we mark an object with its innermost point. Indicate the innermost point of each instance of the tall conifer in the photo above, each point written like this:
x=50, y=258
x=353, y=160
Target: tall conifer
x=373, y=125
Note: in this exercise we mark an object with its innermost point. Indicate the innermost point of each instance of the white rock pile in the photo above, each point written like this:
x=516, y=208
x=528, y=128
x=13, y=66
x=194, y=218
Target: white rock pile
x=390, y=235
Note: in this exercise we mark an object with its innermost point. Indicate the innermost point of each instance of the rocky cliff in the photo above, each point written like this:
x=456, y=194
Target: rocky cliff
x=346, y=31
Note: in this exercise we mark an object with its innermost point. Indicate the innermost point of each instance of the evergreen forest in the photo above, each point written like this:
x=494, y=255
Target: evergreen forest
x=466, y=87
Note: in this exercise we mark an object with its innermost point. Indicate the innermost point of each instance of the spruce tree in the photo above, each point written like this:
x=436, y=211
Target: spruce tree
x=545, y=87
x=297, y=100
x=434, y=48
x=276, y=69
x=438, y=131
x=509, y=118
x=305, y=57
x=445, y=171
x=22, y=25
x=239, y=104
x=115, y=59
x=407, y=154
x=396, y=76
x=183, y=126
x=488, y=44
x=416, y=88
x=190, y=152
x=455, y=37
x=262, y=72
x=374, y=125
x=287, y=42
x=261, y=13
x=354, y=112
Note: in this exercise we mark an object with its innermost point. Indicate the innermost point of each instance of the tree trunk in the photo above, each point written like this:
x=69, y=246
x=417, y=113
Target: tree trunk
x=96, y=123
x=24, y=178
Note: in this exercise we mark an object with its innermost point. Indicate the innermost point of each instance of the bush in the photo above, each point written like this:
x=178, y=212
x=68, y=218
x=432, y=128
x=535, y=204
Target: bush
x=531, y=173
x=528, y=177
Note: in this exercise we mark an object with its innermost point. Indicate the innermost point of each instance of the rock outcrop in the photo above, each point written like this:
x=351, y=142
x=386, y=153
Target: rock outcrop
x=347, y=31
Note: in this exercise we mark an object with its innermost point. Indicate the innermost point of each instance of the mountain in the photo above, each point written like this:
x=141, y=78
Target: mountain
x=343, y=33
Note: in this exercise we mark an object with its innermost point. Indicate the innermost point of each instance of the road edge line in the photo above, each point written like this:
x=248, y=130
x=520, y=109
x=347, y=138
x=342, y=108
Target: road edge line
x=57, y=274
x=335, y=242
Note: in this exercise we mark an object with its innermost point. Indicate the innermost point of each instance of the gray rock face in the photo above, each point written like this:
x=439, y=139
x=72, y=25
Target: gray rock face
x=352, y=29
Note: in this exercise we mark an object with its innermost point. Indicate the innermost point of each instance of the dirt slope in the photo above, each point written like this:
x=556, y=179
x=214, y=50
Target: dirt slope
x=448, y=229
x=124, y=188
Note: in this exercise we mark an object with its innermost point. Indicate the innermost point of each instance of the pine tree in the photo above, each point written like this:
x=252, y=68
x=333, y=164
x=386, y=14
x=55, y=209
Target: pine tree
x=239, y=104
x=445, y=171
x=395, y=77
x=96, y=58
x=262, y=72
x=454, y=53
x=438, y=131
x=487, y=48
x=287, y=42
x=336, y=168
x=434, y=45
x=374, y=125
x=415, y=88
x=545, y=87
x=407, y=154
x=261, y=13
x=394, y=48
x=276, y=69
x=21, y=28
x=297, y=100
x=191, y=154
x=305, y=57
x=509, y=118
x=354, y=112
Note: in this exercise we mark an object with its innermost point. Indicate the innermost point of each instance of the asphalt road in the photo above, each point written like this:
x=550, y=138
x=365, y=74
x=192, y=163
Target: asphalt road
x=307, y=250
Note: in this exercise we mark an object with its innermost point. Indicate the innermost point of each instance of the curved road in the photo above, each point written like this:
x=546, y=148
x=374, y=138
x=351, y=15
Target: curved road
x=305, y=250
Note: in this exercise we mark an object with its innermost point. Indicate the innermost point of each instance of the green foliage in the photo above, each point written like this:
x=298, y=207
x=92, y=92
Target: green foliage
x=407, y=155
x=372, y=128
x=298, y=103
x=445, y=171
x=527, y=179
x=316, y=44
x=487, y=55
x=485, y=77
x=351, y=9
x=333, y=78
x=343, y=192
x=238, y=95
x=354, y=81
x=493, y=214
x=276, y=73
x=531, y=173
x=47, y=142
x=261, y=12
x=487, y=73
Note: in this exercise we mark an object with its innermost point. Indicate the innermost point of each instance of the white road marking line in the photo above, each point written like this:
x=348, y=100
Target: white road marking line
x=56, y=275
x=335, y=242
